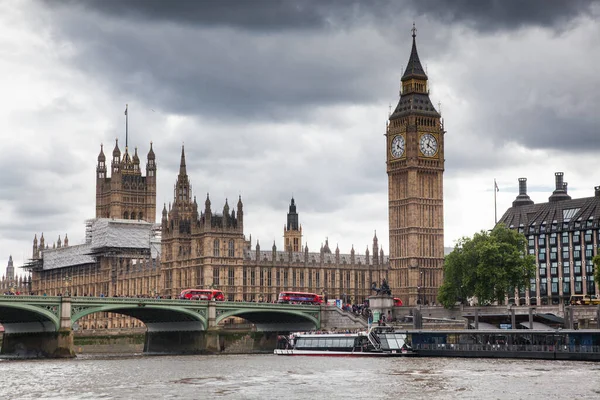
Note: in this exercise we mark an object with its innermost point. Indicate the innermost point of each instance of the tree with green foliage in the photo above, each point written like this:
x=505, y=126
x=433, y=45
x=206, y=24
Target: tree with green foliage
x=596, y=261
x=486, y=267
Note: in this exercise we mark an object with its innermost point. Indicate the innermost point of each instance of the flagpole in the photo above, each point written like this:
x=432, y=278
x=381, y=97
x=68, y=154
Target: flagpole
x=495, y=207
x=126, y=124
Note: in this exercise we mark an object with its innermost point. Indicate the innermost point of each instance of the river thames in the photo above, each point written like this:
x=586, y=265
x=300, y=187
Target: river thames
x=276, y=377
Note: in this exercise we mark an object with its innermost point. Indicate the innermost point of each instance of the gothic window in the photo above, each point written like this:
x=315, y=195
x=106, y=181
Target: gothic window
x=216, y=276
x=278, y=278
x=216, y=248
x=252, y=277
x=231, y=249
x=269, y=278
x=231, y=276
x=262, y=277
x=125, y=215
x=132, y=215
x=199, y=278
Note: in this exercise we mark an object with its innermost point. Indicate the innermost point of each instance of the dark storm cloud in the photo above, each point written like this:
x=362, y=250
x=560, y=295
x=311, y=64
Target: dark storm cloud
x=256, y=15
x=492, y=15
x=278, y=15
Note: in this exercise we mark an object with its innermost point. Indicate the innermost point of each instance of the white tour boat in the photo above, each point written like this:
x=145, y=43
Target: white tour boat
x=379, y=341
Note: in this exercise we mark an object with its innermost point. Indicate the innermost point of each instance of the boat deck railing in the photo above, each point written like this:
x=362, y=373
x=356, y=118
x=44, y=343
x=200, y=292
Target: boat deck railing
x=509, y=348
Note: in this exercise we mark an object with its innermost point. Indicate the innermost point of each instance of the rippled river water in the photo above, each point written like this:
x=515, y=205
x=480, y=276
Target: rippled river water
x=277, y=377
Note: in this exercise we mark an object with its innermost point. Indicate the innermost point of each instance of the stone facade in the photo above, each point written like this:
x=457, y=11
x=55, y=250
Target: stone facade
x=208, y=249
x=415, y=167
x=126, y=194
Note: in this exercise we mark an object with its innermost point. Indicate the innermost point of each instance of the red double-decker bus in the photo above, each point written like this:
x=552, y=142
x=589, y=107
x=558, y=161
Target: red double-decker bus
x=202, y=294
x=299, y=298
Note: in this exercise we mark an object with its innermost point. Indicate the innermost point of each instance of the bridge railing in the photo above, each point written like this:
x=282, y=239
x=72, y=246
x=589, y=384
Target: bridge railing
x=23, y=298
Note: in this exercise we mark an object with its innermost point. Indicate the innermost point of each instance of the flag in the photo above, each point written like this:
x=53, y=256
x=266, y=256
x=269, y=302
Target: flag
x=496, y=186
x=126, y=109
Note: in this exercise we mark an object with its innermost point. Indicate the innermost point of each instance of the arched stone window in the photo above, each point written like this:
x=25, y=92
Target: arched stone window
x=231, y=248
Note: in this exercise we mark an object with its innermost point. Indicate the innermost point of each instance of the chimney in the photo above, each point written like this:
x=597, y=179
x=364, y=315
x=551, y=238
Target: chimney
x=559, y=180
x=522, y=199
x=522, y=186
x=560, y=193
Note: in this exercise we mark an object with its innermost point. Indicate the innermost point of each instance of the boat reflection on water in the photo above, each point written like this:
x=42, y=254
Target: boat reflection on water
x=379, y=341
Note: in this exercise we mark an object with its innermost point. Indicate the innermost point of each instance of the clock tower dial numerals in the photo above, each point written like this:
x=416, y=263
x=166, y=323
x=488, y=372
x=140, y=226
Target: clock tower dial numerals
x=397, y=147
x=428, y=145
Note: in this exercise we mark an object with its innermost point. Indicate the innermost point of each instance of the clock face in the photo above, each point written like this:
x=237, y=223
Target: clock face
x=397, y=148
x=428, y=145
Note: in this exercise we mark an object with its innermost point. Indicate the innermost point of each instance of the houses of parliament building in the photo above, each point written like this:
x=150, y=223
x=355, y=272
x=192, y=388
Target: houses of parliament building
x=127, y=254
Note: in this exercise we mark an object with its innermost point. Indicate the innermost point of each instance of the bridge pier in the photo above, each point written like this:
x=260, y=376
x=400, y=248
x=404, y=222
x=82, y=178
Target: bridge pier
x=175, y=342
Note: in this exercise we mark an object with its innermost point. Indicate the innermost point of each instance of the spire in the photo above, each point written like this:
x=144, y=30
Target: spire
x=414, y=69
x=136, y=159
x=414, y=96
x=182, y=169
x=151, y=155
x=101, y=156
x=117, y=151
x=292, y=217
x=226, y=209
x=10, y=269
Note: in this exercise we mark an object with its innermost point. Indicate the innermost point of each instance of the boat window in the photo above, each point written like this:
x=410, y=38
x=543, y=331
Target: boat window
x=391, y=341
x=336, y=343
x=329, y=342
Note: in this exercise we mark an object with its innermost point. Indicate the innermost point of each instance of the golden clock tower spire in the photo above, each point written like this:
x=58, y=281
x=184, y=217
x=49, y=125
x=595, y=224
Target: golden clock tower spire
x=415, y=168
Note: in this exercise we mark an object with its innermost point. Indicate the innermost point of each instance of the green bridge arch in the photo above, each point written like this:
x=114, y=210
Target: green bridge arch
x=239, y=312
x=141, y=311
x=48, y=309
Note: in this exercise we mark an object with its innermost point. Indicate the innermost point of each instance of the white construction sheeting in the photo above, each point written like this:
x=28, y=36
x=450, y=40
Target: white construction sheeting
x=104, y=233
x=67, y=256
x=121, y=233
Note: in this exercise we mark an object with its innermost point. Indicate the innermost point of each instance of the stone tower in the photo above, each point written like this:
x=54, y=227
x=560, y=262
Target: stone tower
x=415, y=168
x=10, y=270
x=126, y=193
x=292, y=232
x=199, y=249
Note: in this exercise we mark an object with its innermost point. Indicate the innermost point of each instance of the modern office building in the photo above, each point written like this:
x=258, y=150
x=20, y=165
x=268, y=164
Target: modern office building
x=564, y=235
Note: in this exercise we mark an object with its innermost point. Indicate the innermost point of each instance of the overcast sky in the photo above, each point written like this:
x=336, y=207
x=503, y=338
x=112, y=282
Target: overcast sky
x=280, y=98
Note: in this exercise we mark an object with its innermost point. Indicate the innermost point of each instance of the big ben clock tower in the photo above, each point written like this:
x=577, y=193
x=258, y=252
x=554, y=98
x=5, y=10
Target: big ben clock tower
x=415, y=168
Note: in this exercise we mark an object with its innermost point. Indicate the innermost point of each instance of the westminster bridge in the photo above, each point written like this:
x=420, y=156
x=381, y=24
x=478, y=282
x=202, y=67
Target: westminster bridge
x=43, y=325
